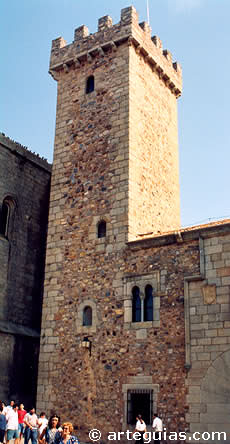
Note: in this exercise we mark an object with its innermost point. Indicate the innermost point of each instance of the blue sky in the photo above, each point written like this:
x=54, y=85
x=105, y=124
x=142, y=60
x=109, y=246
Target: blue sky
x=195, y=31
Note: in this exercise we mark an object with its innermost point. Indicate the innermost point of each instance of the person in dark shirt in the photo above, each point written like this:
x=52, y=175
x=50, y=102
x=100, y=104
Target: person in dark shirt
x=52, y=431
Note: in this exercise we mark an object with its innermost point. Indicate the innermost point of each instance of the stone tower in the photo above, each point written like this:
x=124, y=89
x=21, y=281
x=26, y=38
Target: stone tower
x=114, y=178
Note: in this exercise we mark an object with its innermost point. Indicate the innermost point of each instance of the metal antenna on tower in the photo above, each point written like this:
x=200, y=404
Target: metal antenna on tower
x=147, y=6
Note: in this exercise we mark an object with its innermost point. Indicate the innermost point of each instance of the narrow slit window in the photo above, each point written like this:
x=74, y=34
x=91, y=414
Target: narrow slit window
x=101, y=229
x=4, y=218
x=148, y=303
x=90, y=84
x=87, y=316
x=136, y=315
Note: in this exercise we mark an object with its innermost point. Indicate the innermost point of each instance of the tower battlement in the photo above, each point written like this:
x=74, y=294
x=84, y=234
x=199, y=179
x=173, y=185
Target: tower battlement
x=86, y=47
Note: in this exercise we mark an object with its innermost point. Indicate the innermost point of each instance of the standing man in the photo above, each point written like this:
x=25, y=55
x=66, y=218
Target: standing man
x=31, y=430
x=10, y=406
x=157, y=428
x=12, y=424
x=21, y=425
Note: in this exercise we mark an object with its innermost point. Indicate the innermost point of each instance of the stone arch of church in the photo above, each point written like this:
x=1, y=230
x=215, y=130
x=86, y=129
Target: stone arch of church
x=215, y=396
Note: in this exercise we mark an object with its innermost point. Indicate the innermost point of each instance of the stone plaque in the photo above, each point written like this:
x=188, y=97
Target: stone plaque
x=209, y=293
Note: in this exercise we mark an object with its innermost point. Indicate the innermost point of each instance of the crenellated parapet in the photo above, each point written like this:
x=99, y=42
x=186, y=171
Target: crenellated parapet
x=86, y=47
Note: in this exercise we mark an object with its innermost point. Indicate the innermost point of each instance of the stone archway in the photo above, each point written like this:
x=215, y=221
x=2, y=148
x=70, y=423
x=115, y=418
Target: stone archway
x=215, y=397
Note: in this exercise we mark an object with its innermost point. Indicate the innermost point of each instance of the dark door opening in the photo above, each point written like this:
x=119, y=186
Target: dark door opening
x=139, y=402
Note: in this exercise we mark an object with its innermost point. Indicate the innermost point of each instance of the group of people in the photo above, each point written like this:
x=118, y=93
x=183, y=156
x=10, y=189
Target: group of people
x=157, y=427
x=18, y=424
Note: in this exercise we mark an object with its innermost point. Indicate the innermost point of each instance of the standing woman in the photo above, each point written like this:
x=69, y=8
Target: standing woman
x=140, y=428
x=51, y=432
x=66, y=435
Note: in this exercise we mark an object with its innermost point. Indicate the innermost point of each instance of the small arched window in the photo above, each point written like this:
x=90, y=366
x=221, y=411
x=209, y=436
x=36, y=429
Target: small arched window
x=89, y=85
x=136, y=305
x=148, y=303
x=5, y=215
x=87, y=316
x=101, y=229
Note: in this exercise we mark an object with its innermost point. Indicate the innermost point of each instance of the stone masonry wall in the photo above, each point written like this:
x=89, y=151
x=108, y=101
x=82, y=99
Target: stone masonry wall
x=24, y=179
x=148, y=122
x=6, y=358
x=91, y=182
x=94, y=381
x=154, y=197
x=208, y=352
x=4, y=254
x=23, y=252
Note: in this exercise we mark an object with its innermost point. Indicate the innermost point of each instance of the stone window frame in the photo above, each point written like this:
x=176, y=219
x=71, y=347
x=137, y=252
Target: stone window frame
x=87, y=329
x=93, y=230
x=141, y=281
x=139, y=383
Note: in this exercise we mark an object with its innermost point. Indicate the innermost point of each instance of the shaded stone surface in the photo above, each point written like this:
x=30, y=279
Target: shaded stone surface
x=24, y=180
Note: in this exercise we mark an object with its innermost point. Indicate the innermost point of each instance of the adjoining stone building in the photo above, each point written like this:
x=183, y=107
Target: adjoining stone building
x=24, y=200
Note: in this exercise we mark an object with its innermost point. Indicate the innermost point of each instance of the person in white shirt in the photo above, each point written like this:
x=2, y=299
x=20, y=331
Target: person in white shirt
x=157, y=428
x=140, y=428
x=12, y=431
x=10, y=406
x=42, y=423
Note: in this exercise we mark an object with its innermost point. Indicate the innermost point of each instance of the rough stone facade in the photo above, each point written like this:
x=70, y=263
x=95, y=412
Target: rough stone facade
x=116, y=161
x=24, y=191
x=207, y=326
x=153, y=189
x=129, y=122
